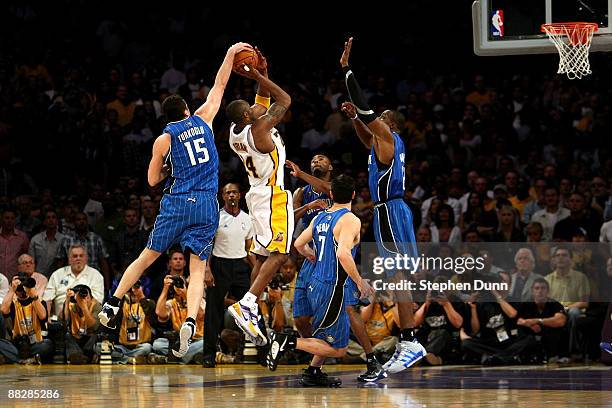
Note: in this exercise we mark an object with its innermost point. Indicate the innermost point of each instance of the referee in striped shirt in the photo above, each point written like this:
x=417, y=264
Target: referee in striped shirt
x=229, y=270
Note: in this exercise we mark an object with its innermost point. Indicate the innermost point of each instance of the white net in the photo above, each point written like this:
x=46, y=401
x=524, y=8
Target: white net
x=573, y=41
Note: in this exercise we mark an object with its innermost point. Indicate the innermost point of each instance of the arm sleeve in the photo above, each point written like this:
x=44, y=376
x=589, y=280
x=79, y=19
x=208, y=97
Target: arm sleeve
x=364, y=112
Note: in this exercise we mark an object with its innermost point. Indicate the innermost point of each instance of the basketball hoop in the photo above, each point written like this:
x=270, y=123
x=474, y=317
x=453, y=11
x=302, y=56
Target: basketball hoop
x=573, y=41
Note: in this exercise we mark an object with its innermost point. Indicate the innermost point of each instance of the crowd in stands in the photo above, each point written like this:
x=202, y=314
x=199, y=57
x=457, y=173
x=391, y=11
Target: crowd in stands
x=489, y=158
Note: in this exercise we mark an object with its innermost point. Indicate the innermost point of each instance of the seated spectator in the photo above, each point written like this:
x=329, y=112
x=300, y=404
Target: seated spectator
x=494, y=337
x=443, y=228
x=27, y=267
x=24, y=220
x=77, y=272
x=28, y=314
x=44, y=245
x=176, y=266
x=136, y=317
x=537, y=192
x=571, y=288
x=423, y=234
x=80, y=314
x=381, y=320
x=175, y=310
x=478, y=217
x=580, y=218
x=507, y=230
x=127, y=242
x=543, y=318
x=96, y=250
x=13, y=243
x=522, y=279
x=4, y=286
x=437, y=319
x=551, y=214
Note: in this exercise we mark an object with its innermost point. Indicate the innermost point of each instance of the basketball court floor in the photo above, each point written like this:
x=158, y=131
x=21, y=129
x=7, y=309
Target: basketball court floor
x=253, y=386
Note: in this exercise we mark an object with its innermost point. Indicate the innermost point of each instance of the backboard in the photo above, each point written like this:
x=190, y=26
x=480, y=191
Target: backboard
x=512, y=27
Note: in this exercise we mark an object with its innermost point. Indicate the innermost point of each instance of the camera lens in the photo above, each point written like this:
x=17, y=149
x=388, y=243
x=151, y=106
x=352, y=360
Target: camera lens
x=178, y=282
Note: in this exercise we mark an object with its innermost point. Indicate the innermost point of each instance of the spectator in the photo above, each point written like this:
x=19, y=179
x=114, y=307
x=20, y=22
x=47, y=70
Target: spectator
x=229, y=269
x=25, y=221
x=175, y=311
x=551, y=214
x=538, y=203
x=13, y=243
x=507, y=230
x=477, y=216
x=128, y=241
x=579, y=218
x=96, y=250
x=441, y=193
x=27, y=267
x=28, y=314
x=4, y=288
x=78, y=272
x=444, y=229
x=149, y=213
x=571, y=288
x=176, y=266
x=80, y=313
x=45, y=244
x=123, y=106
x=543, y=317
x=522, y=279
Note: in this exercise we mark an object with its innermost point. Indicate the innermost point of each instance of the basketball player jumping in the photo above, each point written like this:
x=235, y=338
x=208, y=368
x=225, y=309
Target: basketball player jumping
x=392, y=224
x=261, y=149
x=316, y=194
x=189, y=211
x=335, y=233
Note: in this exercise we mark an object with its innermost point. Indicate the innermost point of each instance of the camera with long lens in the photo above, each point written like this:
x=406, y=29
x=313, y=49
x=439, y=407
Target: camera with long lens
x=25, y=281
x=81, y=292
x=178, y=282
x=277, y=283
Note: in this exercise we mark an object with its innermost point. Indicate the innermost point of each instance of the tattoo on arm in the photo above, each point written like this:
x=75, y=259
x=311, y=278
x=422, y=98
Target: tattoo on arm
x=276, y=112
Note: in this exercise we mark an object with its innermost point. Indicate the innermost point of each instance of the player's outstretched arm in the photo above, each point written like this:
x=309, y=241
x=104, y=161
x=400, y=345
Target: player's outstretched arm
x=301, y=243
x=262, y=97
x=209, y=109
x=262, y=126
x=157, y=171
x=379, y=129
x=320, y=185
x=363, y=132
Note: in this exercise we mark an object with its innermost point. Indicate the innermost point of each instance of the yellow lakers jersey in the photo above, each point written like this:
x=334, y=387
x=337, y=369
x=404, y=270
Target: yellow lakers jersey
x=264, y=169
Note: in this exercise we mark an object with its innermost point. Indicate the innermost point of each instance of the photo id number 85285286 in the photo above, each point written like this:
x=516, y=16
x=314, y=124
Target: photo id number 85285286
x=33, y=394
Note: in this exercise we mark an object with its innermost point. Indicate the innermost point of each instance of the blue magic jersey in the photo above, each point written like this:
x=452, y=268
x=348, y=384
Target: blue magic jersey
x=193, y=157
x=308, y=196
x=328, y=269
x=388, y=182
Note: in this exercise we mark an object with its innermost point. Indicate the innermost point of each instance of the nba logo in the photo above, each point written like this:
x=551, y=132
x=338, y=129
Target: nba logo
x=497, y=23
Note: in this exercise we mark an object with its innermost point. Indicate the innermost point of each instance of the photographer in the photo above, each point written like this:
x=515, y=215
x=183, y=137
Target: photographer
x=28, y=314
x=494, y=336
x=438, y=319
x=26, y=267
x=272, y=305
x=175, y=310
x=80, y=313
x=136, y=317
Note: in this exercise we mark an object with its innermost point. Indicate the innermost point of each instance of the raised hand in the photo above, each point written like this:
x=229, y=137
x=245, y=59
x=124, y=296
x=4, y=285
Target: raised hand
x=240, y=46
x=347, y=51
x=262, y=62
x=295, y=169
x=349, y=109
x=248, y=71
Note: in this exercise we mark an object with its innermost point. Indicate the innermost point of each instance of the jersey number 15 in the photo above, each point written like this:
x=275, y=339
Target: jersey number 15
x=198, y=146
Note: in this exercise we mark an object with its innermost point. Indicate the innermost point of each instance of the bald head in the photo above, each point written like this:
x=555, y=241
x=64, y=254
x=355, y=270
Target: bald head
x=238, y=111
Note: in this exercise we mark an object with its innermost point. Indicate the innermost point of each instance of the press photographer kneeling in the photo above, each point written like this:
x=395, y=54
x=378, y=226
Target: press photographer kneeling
x=80, y=312
x=28, y=314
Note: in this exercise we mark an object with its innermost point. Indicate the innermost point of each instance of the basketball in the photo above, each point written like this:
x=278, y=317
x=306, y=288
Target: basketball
x=245, y=57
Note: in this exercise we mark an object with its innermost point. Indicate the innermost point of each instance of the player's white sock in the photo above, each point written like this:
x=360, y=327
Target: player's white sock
x=249, y=299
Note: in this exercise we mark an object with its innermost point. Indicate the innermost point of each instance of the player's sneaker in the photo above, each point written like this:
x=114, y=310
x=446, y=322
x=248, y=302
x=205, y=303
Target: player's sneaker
x=407, y=353
x=179, y=348
x=374, y=372
x=278, y=345
x=319, y=379
x=246, y=318
x=108, y=316
x=605, y=346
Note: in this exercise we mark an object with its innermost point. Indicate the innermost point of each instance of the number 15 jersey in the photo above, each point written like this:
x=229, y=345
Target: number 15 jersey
x=192, y=157
x=264, y=169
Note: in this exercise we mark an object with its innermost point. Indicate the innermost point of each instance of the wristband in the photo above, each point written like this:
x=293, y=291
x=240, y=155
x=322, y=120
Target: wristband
x=541, y=321
x=261, y=100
